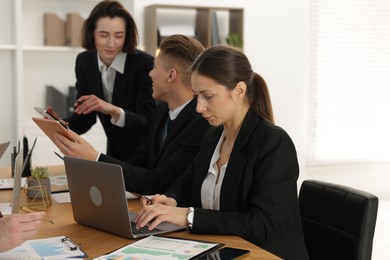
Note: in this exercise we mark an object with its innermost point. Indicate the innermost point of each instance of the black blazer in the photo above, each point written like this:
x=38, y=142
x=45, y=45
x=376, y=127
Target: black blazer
x=258, y=199
x=132, y=92
x=167, y=163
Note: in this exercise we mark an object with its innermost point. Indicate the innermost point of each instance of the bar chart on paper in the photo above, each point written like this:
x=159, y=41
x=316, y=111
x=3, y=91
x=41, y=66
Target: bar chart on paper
x=48, y=248
x=53, y=248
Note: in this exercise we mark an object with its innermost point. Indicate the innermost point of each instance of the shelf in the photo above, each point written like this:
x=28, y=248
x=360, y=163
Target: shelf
x=52, y=49
x=9, y=47
x=204, y=22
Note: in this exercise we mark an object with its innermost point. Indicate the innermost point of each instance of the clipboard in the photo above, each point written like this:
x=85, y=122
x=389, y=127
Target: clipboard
x=60, y=247
x=50, y=127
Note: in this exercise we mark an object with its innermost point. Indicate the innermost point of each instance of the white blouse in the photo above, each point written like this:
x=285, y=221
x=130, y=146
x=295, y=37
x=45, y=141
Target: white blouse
x=211, y=187
x=108, y=80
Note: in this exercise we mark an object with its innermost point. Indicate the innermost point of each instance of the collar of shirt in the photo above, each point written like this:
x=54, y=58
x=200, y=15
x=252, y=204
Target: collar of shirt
x=213, y=168
x=174, y=113
x=118, y=64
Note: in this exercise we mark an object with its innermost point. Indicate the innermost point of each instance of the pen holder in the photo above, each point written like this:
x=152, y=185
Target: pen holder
x=27, y=169
x=13, y=157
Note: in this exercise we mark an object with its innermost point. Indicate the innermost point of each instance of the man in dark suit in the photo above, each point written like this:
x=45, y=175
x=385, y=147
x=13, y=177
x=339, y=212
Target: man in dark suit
x=169, y=151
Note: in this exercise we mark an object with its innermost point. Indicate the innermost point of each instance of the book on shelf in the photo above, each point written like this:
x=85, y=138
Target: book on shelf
x=74, y=25
x=54, y=30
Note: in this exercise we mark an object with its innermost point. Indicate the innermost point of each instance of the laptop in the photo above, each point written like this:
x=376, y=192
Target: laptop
x=97, y=193
x=3, y=148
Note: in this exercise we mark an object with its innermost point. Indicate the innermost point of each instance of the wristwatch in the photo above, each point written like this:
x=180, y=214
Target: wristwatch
x=190, y=217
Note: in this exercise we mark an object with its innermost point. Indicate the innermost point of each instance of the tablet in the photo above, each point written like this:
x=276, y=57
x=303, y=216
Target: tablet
x=50, y=127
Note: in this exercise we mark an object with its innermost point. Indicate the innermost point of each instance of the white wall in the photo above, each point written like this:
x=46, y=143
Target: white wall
x=276, y=34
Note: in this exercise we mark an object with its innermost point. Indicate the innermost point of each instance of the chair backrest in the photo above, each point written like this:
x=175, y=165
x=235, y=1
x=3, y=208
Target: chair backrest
x=338, y=221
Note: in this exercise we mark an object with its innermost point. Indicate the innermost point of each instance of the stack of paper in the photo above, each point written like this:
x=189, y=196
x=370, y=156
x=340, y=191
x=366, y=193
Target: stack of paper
x=162, y=248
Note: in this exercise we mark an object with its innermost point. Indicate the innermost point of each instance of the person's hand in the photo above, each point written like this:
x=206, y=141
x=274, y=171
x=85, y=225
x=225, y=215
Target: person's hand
x=158, y=213
x=78, y=148
x=17, y=228
x=89, y=103
x=158, y=199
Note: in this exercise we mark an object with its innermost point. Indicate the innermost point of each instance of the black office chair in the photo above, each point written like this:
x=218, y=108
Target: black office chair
x=338, y=221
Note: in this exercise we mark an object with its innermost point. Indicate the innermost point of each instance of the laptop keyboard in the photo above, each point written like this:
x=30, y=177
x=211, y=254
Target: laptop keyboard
x=143, y=230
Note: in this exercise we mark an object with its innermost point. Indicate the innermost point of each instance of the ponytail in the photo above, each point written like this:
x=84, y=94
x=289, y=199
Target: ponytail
x=259, y=99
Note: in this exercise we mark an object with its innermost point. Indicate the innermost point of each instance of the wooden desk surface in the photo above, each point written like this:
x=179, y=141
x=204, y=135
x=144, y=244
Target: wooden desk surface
x=95, y=242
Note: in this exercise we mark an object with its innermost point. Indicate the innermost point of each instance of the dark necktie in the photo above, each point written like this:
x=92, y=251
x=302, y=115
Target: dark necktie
x=166, y=127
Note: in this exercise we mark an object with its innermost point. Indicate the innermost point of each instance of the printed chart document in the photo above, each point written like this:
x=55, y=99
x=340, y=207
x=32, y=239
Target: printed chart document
x=47, y=248
x=8, y=183
x=165, y=248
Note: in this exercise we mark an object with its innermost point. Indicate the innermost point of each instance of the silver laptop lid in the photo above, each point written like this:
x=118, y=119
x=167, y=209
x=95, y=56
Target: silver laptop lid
x=97, y=193
x=3, y=148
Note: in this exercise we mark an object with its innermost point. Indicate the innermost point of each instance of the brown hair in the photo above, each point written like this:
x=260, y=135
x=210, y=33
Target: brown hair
x=182, y=51
x=111, y=9
x=228, y=66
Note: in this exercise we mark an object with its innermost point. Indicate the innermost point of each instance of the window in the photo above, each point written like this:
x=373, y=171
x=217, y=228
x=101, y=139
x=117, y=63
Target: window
x=349, y=81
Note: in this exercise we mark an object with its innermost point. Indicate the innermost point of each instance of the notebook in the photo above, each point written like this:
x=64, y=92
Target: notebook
x=3, y=148
x=97, y=193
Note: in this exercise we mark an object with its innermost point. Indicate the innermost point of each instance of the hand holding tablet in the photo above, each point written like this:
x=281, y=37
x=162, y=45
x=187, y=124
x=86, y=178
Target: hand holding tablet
x=67, y=141
x=50, y=127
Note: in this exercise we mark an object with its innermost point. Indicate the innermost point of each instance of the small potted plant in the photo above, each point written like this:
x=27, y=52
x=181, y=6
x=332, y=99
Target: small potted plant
x=39, y=182
x=234, y=39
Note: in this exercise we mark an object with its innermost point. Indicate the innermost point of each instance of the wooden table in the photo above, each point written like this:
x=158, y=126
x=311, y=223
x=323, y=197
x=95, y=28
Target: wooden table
x=95, y=242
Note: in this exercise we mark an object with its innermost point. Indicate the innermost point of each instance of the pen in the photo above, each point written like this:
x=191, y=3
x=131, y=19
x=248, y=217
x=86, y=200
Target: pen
x=62, y=158
x=148, y=198
x=25, y=209
x=78, y=103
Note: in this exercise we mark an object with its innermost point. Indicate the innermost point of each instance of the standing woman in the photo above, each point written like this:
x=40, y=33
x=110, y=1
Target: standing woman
x=243, y=181
x=113, y=80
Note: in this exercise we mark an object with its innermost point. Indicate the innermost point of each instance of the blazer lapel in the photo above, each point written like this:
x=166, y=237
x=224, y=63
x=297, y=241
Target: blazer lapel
x=203, y=162
x=96, y=79
x=237, y=162
x=120, y=86
x=177, y=125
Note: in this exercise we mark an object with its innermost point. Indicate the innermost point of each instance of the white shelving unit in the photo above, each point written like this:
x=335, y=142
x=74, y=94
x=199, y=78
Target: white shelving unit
x=27, y=67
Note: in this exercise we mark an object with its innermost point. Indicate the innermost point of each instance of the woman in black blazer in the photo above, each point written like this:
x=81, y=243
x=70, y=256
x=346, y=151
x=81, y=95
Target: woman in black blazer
x=113, y=80
x=244, y=179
